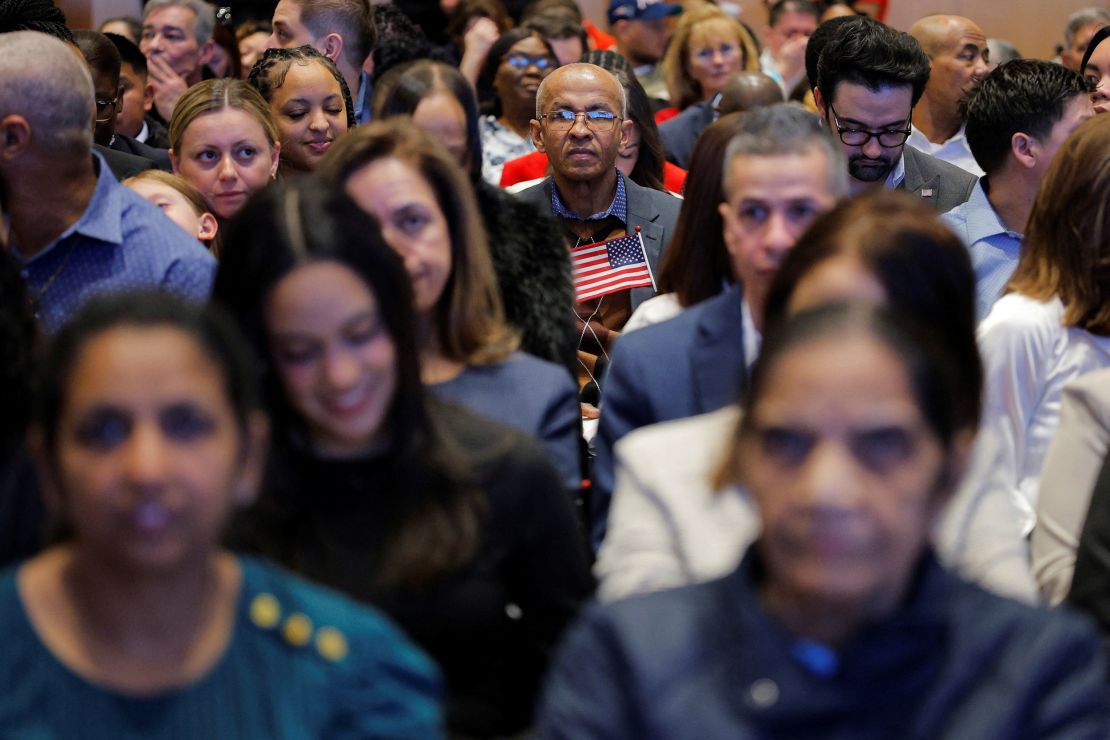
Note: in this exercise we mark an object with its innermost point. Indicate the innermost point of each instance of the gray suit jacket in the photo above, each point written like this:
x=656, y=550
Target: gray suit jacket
x=655, y=212
x=943, y=185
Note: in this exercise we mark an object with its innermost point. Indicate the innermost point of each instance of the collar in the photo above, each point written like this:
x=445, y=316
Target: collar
x=362, y=100
x=101, y=220
x=980, y=217
x=144, y=133
x=898, y=174
x=618, y=207
x=917, y=135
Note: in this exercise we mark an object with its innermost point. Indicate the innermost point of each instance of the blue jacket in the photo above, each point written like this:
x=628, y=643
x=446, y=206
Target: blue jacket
x=691, y=364
x=706, y=662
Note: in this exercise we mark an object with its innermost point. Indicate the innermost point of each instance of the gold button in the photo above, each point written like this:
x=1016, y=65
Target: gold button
x=331, y=643
x=297, y=630
x=265, y=611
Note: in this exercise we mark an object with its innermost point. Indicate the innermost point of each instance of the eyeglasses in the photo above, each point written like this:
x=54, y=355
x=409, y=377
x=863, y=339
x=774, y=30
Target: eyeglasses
x=888, y=138
x=519, y=60
x=601, y=121
x=105, y=109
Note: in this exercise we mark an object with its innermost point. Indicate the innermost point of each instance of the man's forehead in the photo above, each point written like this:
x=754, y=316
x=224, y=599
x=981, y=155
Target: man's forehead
x=582, y=87
x=886, y=104
x=172, y=16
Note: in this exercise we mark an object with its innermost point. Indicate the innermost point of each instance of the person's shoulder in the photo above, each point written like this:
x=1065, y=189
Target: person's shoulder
x=702, y=435
x=930, y=165
x=483, y=441
x=539, y=193
x=682, y=327
x=1018, y=312
x=668, y=203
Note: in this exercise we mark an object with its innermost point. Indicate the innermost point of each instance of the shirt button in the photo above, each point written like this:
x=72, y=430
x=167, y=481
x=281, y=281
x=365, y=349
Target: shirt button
x=764, y=693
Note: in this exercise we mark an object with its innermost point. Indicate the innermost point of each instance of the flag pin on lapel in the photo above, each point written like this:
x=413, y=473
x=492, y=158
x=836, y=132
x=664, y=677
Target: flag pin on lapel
x=926, y=192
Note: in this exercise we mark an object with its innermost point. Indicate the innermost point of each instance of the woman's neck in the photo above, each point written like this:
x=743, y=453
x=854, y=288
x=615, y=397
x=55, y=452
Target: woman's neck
x=138, y=632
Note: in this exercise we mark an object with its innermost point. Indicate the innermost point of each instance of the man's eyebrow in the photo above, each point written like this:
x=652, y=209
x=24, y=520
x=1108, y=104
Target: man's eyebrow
x=861, y=124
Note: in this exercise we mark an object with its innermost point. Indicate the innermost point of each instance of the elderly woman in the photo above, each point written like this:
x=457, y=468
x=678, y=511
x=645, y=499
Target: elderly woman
x=839, y=621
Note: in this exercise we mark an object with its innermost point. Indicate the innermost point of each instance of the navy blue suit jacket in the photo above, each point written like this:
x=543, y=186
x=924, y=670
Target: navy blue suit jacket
x=689, y=365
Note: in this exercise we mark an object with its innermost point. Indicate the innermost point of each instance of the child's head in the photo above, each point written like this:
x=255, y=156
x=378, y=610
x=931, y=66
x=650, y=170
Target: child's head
x=181, y=202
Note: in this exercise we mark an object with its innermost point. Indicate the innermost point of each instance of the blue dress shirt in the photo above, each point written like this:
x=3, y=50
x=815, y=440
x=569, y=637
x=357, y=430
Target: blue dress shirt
x=121, y=242
x=618, y=207
x=994, y=248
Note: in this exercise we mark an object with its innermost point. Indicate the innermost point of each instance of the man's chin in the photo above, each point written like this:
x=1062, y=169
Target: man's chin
x=869, y=172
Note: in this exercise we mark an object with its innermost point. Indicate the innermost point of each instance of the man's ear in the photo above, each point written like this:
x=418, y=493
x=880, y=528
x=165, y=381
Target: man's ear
x=819, y=101
x=537, y=135
x=148, y=97
x=15, y=136
x=626, y=132
x=175, y=165
x=275, y=159
x=206, y=51
x=332, y=47
x=1025, y=150
x=208, y=227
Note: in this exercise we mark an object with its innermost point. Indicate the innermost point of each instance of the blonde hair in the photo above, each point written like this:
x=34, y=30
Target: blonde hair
x=192, y=196
x=211, y=96
x=684, y=89
x=1066, y=250
x=469, y=317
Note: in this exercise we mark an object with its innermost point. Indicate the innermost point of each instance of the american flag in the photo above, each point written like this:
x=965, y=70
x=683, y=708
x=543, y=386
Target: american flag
x=606, y=267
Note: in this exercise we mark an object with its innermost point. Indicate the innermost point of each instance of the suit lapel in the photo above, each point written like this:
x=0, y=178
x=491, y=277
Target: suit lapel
x=915, y=181
x=643, y=213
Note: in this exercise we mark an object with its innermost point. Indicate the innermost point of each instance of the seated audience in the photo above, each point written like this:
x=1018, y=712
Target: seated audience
x=790, y=23
x=125, y=26
x=642, y=29
x=309, y=102
x=137, y=98
x=869, y=78
x=252, y=37
x=746, y=90
x=75, y=230
x=1052, y=325
x=1017, y=118
x=780, y=174
x=177, y=42
x=707, y=49
x=456, y=527
x=472, y=27
x=181, y=202
x=696, y=265
x=582, y=125
x=224, y=142
x=516, y=65
x=529, y=257
x=841, y=594
x=1082, y=26
x=104, y=64
x=341, y=30
x=427, y=213
x=669, y=525
x=958, y=56
x=1095, y=68
x=138, y=621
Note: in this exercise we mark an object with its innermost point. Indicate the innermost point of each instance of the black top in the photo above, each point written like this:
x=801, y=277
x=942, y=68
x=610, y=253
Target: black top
x=492, y=624
x=22, y=513
x=1090, y=583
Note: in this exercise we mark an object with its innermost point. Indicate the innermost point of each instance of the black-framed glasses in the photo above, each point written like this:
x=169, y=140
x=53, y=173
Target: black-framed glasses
x=520, y=60
x=601, y=121
x=105, y=109
x=889, y=138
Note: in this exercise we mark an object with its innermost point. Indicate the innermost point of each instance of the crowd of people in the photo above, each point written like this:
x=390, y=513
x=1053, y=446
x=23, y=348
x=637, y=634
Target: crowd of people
x=517, y=378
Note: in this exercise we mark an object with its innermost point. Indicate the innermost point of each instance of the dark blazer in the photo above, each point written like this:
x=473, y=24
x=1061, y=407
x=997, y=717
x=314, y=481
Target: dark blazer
x=940, y=183
x=691, y=364
x=160, y=157
x=654, y=211
x=122, y=164
x=157, y=136
x=708, y=662
x=680, y=133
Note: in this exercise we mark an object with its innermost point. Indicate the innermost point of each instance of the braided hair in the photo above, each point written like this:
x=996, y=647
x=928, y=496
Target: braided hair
x=34, y=15
x=268, y=73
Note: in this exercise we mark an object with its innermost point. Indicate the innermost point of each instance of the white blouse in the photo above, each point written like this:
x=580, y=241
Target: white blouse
x=1028, y=356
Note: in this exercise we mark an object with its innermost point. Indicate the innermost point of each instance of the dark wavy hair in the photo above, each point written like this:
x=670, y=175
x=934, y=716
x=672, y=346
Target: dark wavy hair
x=436, y=509
x=268, y=73
x=869, y=53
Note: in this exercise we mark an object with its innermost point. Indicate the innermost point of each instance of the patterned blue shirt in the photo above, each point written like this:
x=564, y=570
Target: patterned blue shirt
x=618, y=208
x=121, y=242
x=994, y=248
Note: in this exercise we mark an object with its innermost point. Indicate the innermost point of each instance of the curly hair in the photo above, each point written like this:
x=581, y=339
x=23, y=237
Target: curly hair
x=268, y=73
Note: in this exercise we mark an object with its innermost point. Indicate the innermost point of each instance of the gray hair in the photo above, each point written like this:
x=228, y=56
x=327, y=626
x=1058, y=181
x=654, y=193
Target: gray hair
x=45, y=82
x=624, y=92
x=206, y=15
x=1084, y=17
x=784, y=129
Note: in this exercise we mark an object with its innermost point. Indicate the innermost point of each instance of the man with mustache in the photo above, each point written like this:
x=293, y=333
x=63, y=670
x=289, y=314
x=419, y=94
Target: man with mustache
x=869, y=78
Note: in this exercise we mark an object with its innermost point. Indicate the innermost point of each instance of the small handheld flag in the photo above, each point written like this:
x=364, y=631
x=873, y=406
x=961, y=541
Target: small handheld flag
x=607, y=267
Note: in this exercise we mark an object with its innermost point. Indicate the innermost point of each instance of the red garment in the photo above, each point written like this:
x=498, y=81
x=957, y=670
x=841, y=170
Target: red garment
x=602, y=40
x=665, y=114
x=533, y=166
